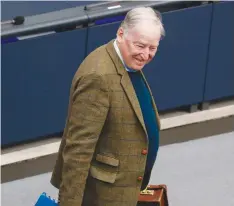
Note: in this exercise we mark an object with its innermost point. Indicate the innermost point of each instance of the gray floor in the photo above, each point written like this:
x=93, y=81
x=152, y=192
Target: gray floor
x=197, y=173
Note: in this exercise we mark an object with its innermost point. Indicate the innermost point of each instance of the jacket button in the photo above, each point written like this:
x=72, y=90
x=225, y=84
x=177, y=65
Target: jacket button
x=140, y=178
x=144, y=152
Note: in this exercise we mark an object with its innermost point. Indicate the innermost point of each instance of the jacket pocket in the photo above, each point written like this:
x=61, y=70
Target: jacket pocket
x=105, y=168
x=107, y=160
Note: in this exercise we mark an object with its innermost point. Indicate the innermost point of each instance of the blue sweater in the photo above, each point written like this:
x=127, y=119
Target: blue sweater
x=150, y=120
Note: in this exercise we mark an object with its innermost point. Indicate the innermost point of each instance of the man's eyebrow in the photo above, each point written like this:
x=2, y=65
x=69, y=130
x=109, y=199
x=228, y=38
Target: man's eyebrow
x=137, y=42
x=145, y=44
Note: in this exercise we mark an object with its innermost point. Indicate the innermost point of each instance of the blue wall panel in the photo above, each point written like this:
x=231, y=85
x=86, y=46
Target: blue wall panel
x=220, y=70
x=177, y=73
x=36, y=79
x=99, y=35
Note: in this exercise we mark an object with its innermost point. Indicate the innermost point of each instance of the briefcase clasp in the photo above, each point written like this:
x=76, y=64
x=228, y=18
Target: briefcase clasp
x=147, y=192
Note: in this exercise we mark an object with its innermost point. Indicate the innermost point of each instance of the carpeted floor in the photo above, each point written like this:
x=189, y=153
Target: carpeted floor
x=197, y=173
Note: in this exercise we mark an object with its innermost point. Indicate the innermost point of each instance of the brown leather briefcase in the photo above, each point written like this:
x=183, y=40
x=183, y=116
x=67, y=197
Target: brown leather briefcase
x=154, y=195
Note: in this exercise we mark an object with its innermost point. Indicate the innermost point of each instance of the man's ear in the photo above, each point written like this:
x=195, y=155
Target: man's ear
x=120, y=34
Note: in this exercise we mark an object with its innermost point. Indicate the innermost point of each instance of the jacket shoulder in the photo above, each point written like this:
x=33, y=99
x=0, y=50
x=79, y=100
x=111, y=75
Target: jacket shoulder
x=98, y=62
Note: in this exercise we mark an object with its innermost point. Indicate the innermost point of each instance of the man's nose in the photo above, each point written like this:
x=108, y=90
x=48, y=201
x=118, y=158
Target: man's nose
x=145, y=54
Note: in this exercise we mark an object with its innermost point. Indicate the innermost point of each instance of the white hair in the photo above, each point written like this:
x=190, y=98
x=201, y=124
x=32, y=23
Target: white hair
x=139, y=14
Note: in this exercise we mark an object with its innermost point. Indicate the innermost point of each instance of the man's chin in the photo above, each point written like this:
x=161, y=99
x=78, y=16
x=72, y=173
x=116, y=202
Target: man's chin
x=138, y=67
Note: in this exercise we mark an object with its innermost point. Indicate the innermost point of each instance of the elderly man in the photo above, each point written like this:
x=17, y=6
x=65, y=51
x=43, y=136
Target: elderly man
x=110, y=141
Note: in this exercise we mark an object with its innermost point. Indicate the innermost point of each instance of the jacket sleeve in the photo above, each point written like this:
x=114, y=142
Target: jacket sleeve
x=88, y=114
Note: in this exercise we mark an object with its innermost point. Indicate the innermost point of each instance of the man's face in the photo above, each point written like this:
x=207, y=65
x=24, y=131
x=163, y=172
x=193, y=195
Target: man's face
x=139, y=45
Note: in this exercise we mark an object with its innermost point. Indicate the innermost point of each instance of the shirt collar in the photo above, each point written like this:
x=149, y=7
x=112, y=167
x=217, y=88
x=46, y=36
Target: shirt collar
x=121, y=58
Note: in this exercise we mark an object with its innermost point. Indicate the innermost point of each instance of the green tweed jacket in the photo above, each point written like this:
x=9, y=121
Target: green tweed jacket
x=101, y=159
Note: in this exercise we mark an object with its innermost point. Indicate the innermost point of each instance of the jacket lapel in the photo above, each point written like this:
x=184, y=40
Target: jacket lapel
x=126, y=83
x=130, y=92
